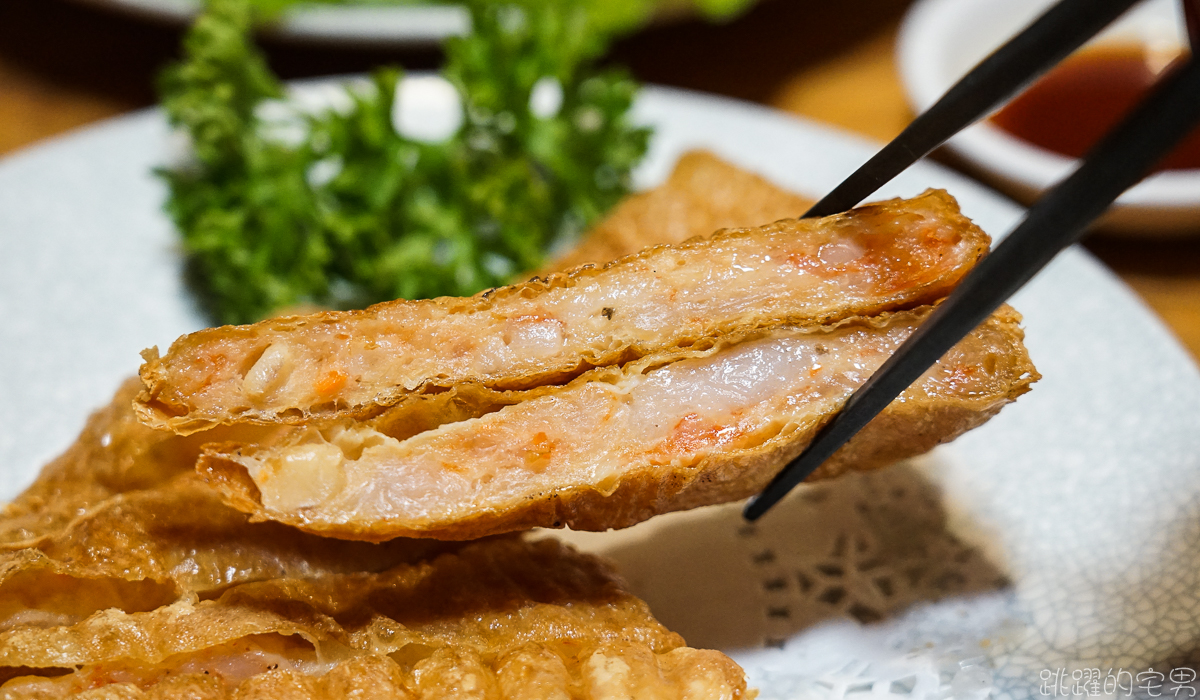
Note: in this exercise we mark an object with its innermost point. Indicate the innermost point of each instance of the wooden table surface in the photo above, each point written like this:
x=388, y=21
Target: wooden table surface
x=64, y=65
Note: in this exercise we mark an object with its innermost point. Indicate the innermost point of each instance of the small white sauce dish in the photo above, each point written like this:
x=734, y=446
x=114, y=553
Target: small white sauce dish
x=940, y=40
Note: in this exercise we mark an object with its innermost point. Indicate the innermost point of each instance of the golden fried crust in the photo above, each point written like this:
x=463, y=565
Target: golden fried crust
x=113, y=454
x=108, y=457
x=929, y=413
x=102, y=592
x=37, y=591
x=612, y=672
x=892, y=255
x=124, y=507
x=181, y=535
x=702, y=195
x=506, y=616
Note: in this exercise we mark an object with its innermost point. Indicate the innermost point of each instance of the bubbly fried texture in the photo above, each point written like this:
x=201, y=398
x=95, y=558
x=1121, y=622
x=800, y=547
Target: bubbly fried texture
x=619, y=445
x=122, y=576
x=181, y=538
x=113, y=454
x=892, y=255
x=504, y=618
x=39, y=592
x=125, y=509
x=702, y=195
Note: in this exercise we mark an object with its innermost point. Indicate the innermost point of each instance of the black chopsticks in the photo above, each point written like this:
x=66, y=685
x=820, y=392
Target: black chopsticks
x=1057, y=220
x=1059, y=31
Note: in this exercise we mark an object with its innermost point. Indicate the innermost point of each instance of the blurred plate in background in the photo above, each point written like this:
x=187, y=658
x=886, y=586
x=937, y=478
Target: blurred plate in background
x=410, y=24
x=940, y=40
x=379, y=23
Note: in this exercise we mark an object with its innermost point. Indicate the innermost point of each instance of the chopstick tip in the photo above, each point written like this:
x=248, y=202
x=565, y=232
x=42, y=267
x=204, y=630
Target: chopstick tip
x=758, y=505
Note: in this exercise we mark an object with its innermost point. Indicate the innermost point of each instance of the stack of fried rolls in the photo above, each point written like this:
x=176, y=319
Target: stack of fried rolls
x=336, y=505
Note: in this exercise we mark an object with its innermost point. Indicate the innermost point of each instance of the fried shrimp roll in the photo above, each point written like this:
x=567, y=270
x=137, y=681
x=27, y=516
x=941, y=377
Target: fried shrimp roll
x=618, y=445
x=113, y=454
x=123, y=576
x=180, y=538
x=703, y=194
x=122, y=516
x=504, y=618
x=888, y=256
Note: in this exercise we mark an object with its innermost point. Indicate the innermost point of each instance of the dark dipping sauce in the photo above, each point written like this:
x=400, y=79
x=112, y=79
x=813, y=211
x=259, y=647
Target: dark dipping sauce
x=1072, y=106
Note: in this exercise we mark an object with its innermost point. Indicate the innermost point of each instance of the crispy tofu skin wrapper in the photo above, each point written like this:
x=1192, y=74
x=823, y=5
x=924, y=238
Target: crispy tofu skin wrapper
x=123, y=576
x=887, y=256
x=113, y=454
x=121, y=520
x=702, y=195
x=619, y=445
x=504, y=618
x=182, y=539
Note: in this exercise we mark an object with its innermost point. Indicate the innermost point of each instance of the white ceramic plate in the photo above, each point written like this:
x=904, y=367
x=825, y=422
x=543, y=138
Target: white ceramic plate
x=941, y=40
x=410, y=24
x=1063, y=534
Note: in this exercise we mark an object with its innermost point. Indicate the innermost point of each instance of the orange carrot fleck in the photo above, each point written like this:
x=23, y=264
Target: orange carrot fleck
x=537, y=452
x=331, y=382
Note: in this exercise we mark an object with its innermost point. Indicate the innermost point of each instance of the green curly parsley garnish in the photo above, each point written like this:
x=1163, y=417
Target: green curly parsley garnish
x=339, y=208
